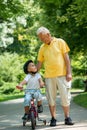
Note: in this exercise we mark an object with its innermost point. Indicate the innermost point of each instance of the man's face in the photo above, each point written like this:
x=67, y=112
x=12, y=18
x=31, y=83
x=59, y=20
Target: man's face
x=32, y=67
x=46, y=38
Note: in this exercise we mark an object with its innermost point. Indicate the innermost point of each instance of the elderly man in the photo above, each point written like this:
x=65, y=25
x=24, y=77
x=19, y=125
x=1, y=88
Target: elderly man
x=54, y=54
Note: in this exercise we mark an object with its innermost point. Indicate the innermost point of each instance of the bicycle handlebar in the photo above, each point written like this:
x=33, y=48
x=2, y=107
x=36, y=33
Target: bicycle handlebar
x=24, y=89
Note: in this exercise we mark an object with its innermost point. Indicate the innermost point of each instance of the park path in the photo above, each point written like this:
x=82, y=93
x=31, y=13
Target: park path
x=12, y=111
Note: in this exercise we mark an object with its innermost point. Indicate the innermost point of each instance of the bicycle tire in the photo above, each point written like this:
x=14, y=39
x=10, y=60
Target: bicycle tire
x=24, y=122
x=33, y=120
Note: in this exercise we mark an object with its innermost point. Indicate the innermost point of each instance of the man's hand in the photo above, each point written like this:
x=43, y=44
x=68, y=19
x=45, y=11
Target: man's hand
x=68, y=77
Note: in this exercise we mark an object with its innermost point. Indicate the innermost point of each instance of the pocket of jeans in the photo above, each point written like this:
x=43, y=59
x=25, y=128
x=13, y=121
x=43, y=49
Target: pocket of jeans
x=68, y=84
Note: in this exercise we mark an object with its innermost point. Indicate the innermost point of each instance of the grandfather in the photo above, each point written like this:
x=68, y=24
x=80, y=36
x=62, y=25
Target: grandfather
x=54, y=54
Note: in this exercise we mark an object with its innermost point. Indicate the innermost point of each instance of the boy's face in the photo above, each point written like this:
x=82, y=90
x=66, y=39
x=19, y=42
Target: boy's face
x=32, y=67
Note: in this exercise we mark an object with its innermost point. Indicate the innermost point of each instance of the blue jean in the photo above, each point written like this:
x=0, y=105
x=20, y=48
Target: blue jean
x=28, y=97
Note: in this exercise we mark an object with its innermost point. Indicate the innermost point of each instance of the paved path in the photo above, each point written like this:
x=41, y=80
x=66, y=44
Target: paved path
x=12, y=111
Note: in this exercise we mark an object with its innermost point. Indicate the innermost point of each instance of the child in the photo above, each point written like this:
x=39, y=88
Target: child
x=33, y=81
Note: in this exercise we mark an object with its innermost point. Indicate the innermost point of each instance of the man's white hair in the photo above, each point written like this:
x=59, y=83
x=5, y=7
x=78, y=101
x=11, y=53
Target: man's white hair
x=42, y=30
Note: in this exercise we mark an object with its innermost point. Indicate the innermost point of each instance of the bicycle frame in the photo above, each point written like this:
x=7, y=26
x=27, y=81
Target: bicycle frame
x=33, y=113
x=33, y=107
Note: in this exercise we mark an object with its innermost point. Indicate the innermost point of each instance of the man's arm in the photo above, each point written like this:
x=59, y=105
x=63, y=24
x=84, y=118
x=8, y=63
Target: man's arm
x=41, y=82
x=39, y=65
x=68, y=67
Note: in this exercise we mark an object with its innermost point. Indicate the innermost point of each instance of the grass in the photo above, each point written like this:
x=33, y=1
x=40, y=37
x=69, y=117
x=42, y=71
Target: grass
x=81, y=99
x=4, y=97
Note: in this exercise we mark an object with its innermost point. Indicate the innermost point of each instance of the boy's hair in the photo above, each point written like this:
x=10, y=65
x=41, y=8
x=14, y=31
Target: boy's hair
x=25, y=67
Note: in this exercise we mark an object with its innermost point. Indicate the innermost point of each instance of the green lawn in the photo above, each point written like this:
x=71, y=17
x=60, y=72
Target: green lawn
x=81, y=99
x=10, y=97
x=4, y=97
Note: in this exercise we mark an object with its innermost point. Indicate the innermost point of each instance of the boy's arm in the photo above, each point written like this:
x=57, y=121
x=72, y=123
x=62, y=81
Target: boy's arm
x=20, y=86
x=22, y=83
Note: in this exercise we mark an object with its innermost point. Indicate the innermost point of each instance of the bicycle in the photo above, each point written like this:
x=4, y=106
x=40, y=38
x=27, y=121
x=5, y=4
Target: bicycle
x=33, y=112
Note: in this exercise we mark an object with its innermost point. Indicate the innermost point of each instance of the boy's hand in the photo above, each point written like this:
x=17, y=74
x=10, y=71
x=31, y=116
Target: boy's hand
x=19, y=87
x=42, y=84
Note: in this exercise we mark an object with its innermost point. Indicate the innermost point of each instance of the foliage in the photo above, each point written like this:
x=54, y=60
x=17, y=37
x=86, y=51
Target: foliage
x=7, y=88
x=11, y=68
x=77, y=24
x=19, y=21
x=10, y=12
x=9, y=8
x=11, y=71
x=78, y=12
x=79, y=65
x=68, y=20
x=78, y=83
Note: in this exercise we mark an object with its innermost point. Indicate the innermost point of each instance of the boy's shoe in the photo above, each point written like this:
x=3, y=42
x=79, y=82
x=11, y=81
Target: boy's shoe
x=25, y=117
x=68, y=121
x=40, y=109
x=53, y=122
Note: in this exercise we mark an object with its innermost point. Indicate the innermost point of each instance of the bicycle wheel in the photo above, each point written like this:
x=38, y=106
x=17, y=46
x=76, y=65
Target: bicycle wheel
x=24, y=122
x=33, y=120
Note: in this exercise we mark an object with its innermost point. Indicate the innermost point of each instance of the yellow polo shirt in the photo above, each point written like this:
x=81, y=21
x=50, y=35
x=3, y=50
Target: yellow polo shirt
x=52, y=57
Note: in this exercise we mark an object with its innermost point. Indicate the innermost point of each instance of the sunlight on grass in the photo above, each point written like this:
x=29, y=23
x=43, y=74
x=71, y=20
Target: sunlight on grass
x=10, y=97
x=4, y=97
x=81, y=99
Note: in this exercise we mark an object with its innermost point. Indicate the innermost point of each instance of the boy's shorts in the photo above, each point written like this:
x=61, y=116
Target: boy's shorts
x=27, y=98
x=58, y=83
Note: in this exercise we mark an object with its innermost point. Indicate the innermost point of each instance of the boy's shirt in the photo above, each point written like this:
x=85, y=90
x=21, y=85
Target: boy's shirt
x=32, y=81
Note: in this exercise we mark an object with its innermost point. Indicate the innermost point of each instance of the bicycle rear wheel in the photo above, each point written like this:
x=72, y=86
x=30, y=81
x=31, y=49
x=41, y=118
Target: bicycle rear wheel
x=33, y=120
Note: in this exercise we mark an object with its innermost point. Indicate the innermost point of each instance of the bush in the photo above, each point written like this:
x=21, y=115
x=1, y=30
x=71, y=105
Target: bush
x=78, y=83
x=1, y=82
x=7, y=88
x=11, y=68
x=11, y=72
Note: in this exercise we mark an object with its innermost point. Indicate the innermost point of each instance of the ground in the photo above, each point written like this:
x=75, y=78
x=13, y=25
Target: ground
x=12, y=111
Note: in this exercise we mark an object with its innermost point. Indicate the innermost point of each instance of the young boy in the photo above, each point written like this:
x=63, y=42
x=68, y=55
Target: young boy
x=33, y=81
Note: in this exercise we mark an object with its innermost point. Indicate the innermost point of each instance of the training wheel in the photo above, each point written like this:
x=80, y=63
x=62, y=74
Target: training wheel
x=24, y=123
x=44, y=122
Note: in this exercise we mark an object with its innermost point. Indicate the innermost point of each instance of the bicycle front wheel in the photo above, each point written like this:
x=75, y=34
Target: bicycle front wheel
x=33, y=120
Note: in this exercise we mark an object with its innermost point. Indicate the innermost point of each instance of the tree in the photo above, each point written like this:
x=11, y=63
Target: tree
x=10, y=14
x=68, y=20
x=77, y=23
x=21, y=21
